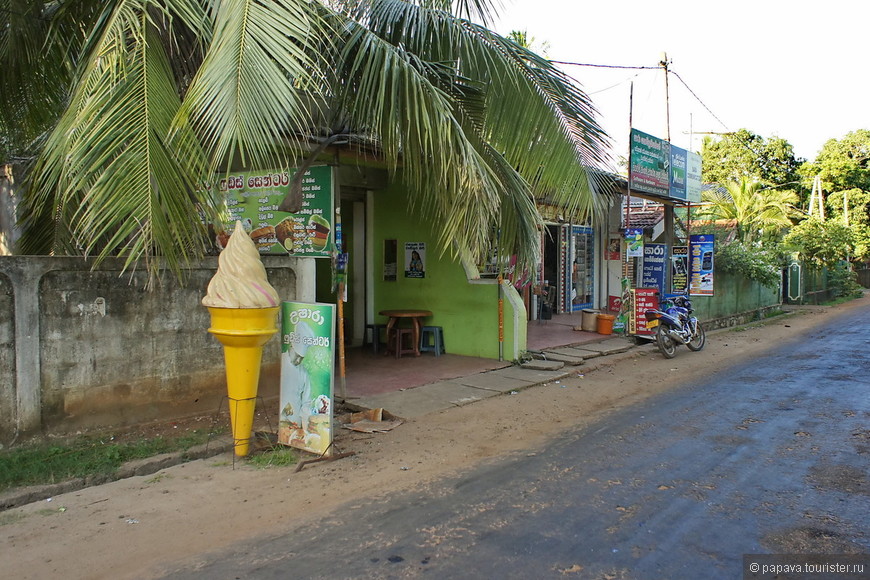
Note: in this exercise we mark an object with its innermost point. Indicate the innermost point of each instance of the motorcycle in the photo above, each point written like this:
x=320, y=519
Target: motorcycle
x=675, y=325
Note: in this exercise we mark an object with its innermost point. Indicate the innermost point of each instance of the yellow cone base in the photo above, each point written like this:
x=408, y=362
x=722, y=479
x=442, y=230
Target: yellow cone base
x=243, y=332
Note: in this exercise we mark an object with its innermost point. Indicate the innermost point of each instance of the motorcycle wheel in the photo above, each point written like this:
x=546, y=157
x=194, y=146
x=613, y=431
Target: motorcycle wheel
x=698, y=339
x=665, y=343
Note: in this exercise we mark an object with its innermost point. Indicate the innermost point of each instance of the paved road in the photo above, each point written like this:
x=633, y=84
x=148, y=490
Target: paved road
x=770, y=457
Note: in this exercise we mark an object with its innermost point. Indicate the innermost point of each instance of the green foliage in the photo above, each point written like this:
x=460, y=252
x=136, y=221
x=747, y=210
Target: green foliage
x=758, y=214
x=131, y=105
x=843, y=281
x=279, y=456
x=843, y=164
x=745, y=155
x=751, y=262
x=844, y=168
x=820, y=244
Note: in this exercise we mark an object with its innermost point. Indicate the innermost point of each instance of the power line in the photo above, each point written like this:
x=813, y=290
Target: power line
x=604, y=65
x=668, y=70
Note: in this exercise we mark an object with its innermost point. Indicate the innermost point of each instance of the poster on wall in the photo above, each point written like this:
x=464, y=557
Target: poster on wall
x=654, y=259
x=415, y=259
x=253, y=197
x=701, y=265
x=680, y=270
x=307, y=376
x=634, y=242
x=613, y=249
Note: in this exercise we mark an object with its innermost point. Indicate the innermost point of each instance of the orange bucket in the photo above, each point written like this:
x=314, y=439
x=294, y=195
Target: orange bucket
x=605, y=323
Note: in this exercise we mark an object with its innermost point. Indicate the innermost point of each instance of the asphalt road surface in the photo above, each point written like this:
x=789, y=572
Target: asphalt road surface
x=769, y=457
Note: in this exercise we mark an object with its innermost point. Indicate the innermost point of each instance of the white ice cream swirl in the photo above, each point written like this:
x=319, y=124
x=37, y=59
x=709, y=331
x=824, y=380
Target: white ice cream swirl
x=240, y=281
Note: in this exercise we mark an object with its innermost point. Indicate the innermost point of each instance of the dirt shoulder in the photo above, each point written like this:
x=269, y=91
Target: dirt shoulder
x=146, y=525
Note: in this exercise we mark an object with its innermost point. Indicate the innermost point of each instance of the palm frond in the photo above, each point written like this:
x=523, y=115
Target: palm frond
x=115, y=170
x=248, y=92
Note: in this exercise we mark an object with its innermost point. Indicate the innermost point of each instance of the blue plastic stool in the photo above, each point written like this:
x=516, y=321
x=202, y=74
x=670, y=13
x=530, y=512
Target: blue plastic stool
x=437, y=342
x=376, y=335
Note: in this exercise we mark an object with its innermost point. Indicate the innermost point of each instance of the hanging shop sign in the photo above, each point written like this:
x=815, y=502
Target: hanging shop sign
x=680, y=270
x=663, y=170
x=253, y=197
x=677, y=174
x=415, y=259
x=693, y=177
x=701, y=265
x=654, y=260
x=643, y=299
x=650, y=164
x=634, y=242
x=307, y=376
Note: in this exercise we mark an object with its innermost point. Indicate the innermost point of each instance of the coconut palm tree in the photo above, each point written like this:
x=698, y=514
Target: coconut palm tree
x=130, y=106
x=757, y=212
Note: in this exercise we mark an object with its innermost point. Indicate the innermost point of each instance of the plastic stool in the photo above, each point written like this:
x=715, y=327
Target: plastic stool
x=437, y=345
x=376, y=335
x=400, y=334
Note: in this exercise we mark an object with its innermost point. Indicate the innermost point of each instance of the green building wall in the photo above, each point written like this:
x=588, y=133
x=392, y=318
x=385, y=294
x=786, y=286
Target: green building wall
x=467, y=310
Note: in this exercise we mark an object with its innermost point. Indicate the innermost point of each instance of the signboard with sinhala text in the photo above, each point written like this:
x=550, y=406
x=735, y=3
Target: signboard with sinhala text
x=307, y=375
x=253, y=197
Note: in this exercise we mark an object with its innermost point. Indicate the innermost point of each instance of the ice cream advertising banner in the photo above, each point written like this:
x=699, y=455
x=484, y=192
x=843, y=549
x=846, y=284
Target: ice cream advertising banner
x=701, y=265
x=415, y=259
x=634, y=242
x=650, y=164
x=307, y=372
x=254, y=197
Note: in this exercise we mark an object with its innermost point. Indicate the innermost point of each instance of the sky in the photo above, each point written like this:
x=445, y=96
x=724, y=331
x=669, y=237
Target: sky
x=797, y=71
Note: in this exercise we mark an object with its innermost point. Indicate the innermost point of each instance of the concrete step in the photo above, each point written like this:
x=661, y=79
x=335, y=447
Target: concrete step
x=559, y=357
x=543, y=365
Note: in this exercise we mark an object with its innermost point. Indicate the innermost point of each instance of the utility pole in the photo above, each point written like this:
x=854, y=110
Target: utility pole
x=664, y=64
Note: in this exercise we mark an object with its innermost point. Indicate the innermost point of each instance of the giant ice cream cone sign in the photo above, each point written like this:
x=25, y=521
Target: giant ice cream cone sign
x=244, y=309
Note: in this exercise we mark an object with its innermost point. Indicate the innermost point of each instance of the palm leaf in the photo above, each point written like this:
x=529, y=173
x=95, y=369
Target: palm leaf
x=112, y=170
x=246, y=96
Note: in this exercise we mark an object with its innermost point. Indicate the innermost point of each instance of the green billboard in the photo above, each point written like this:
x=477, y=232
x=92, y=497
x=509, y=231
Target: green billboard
x=253, y=197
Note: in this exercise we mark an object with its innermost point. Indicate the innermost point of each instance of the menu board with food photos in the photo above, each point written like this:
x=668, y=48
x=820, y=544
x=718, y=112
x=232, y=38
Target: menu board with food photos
x=253, y=197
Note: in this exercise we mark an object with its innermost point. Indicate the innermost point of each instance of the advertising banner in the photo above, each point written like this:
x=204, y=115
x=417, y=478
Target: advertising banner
x=701, y=265
x=643, y=299
x=654, y=258
x=693, y=178
x=680, y=270
x=613, y=250
x=634, y=242
x=678, y=172
x=650, y=164
x=253, y=198
x=307, y=376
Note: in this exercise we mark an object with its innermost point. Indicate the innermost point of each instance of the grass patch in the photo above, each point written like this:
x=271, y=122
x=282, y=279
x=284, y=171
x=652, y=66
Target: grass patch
x=278, y=456
x=10, y=518
x=87, y=456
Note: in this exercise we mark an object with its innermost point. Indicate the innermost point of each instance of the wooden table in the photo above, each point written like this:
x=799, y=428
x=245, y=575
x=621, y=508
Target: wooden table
x=414, y=315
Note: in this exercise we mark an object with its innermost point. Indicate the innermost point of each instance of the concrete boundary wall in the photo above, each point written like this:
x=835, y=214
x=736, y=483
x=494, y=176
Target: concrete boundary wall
x=83, y=348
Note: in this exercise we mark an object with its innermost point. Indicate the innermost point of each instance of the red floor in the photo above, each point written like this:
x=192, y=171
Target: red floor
x=371, y=374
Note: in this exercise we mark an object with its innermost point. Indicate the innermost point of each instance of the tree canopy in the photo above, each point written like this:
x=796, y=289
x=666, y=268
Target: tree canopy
x=129, y=106
x=758, y=214
x=844, y=168
x=743, y=154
